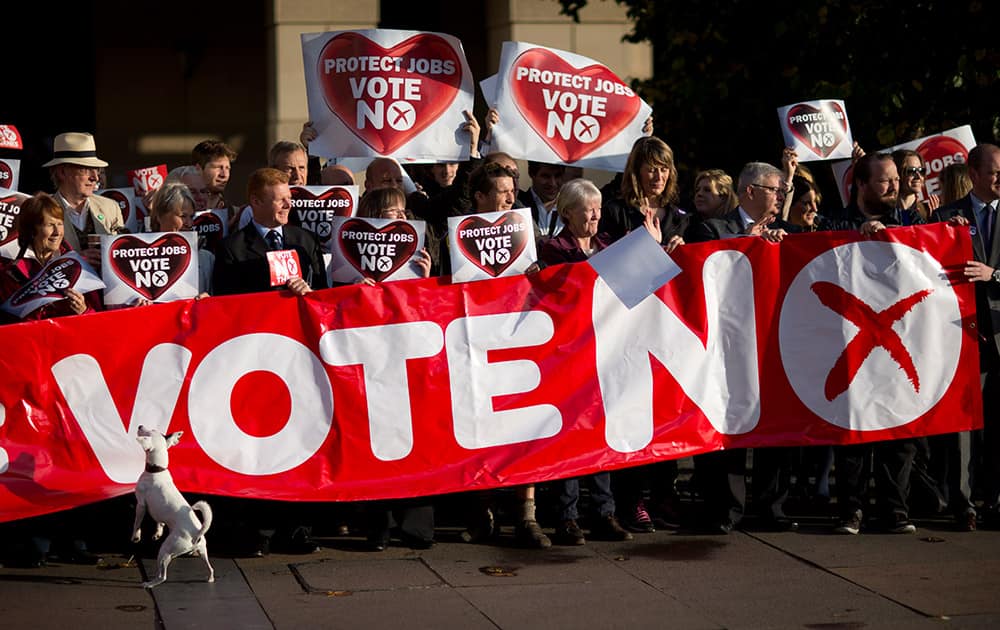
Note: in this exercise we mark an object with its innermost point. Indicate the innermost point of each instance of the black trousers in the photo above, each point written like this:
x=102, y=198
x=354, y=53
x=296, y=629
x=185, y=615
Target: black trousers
x=889, y=462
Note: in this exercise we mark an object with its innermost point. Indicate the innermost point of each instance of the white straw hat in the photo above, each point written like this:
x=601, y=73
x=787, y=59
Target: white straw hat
x=75, y=148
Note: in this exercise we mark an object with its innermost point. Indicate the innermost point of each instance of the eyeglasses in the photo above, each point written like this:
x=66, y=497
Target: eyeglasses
x=913, y=171
x=779, y=191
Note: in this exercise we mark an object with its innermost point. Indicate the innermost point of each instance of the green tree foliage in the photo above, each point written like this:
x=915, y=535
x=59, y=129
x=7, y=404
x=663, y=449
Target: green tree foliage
x=722, y=68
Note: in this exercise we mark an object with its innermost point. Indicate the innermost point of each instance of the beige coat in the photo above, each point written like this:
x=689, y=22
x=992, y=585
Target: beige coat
x=107, y=217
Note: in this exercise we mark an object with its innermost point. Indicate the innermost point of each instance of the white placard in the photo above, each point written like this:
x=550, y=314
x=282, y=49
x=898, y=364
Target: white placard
x=387, y=92
x=157, y=266
x=818, y=130
x=380, y=249
x=562, y=108
x=491, y=245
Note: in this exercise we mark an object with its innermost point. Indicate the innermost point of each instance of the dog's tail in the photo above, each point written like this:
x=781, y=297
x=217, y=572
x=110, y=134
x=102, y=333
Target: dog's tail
x=206, y=519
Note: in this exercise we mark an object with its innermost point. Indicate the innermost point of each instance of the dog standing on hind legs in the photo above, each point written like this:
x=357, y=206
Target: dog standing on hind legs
x=155, y=491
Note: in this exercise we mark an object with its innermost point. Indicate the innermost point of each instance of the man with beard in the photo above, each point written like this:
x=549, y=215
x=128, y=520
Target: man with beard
x=876, y=185
x=875, y=196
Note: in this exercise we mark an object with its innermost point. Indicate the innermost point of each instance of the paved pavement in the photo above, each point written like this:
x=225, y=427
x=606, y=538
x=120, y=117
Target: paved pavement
x=806, y=579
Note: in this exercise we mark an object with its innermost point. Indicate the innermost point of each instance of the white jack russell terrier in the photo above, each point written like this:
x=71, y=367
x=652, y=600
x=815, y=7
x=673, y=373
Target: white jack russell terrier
x=157, y=493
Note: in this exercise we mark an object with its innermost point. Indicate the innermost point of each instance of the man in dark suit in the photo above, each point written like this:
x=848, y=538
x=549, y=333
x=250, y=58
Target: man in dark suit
x=546, y=180
x=978, y=210
x=723, y=474
x=241, y=264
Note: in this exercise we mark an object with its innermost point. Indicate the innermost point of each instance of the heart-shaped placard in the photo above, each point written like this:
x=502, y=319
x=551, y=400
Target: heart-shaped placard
x=121, y=200
x=58, y=277
x=150, y=268
x=316, y=212
x=493, y=247
x=10, y=206
x=377, y=253
x=208, y=224
x=586, y=122
x=388, y=96
x=940, y=151
x=821, y=130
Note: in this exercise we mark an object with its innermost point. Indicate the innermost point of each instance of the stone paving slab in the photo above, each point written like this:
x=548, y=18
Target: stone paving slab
x=626, y=603
x=186, y=600
x=742, y=582
x=62, y=596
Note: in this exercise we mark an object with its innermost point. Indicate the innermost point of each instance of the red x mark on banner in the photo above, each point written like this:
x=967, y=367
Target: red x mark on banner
x=875, y=329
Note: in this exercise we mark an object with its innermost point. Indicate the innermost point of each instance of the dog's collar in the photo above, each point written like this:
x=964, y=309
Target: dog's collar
x=153, y=468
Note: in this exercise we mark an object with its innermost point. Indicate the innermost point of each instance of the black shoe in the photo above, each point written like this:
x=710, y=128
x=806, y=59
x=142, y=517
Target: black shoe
x=79, y=554
x=262, y=547
x=777, y=524
x=416, y=542
x=378, y=543
x=723, y=527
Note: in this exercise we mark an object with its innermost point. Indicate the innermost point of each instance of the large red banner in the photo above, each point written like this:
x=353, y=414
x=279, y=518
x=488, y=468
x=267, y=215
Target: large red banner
x=422, y=387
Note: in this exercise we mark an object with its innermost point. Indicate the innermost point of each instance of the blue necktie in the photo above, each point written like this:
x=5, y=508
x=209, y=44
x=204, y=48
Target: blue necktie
x=989, y=220
x=273, y=240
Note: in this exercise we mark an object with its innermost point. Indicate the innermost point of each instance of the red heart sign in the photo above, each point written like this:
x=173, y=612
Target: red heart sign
x=819, y=129
x=210, y=229
x=6, y=175
x=493, y=247
x=58, y=277
x=10, y=138
x=386, y=97
x=377, y=253
x=575, y=121
x=121, y=200
x=316, y=212
x=941, y=151
x=10, y=206
x=150, y=268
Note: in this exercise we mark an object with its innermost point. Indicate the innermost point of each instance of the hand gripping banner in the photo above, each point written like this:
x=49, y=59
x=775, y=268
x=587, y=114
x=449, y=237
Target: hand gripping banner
x=422, y=387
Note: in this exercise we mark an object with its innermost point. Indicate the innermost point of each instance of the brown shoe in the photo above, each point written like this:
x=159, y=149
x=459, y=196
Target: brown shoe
x=529, y=534
x=608, y=528
x=569, y=533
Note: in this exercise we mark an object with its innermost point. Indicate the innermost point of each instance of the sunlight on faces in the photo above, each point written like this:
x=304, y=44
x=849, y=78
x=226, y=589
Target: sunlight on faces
x=582, y=219
x=383, y=174
x=883, y=187
x=271, y=206
x=48, y=236
x=196, y=184
x=500, y=197
x=804, y=210
x=177, y=219
x=216, y=174
x=765, y=197
x=295, y=165
x=653, y=179
x=707, y=199
x=986, y=178
x=76, y=180
x=912, y=180
x=396, y=212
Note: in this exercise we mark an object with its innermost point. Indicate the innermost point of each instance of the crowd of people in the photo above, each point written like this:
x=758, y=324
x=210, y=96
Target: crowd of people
x=957, y=474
